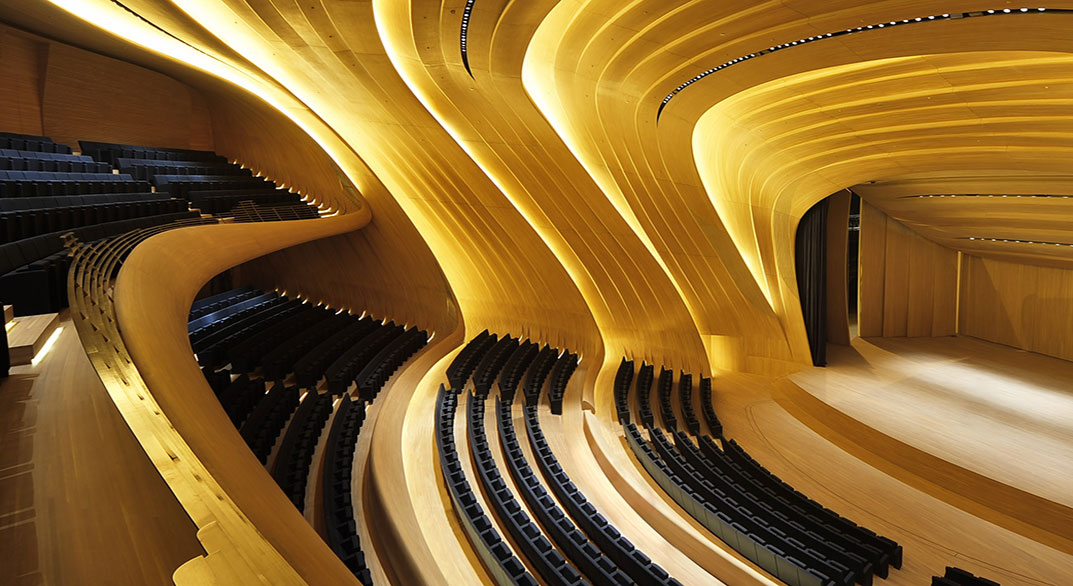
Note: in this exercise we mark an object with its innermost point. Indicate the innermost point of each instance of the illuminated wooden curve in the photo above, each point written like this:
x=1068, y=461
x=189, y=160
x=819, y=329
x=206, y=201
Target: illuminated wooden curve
x=537, y=180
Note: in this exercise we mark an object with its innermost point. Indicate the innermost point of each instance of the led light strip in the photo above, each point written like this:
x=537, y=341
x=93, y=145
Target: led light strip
x=987, y=195
x=466, y=12
x=1015, y=241
x=849, y=31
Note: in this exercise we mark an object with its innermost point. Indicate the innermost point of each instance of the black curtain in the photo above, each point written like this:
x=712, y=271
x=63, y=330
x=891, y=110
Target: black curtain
x=5, y=358
x=810, y=254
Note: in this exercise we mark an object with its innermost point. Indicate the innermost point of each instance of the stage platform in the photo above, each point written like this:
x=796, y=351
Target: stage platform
x=990, y=426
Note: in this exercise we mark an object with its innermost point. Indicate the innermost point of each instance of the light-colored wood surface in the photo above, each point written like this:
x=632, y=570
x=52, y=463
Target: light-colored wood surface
x=80, y=503
x=991, y=423
x=821, y=457
x=907, y=285
x=1020, y=305
x=28, y=336
x=9, y=314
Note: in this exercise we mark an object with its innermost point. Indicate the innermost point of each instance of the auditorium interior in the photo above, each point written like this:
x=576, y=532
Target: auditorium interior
x=536, y=292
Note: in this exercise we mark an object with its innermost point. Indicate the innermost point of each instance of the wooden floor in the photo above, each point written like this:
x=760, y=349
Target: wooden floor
x=1001, y=412
x=80, y=503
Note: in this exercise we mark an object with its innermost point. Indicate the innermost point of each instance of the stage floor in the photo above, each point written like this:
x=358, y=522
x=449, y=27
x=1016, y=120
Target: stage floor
x=1003, y=413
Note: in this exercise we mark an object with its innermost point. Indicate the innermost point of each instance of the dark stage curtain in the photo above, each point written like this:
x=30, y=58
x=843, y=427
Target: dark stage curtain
x=811, y=258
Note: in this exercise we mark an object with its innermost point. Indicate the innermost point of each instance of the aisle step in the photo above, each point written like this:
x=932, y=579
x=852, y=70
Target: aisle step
x=28, y=334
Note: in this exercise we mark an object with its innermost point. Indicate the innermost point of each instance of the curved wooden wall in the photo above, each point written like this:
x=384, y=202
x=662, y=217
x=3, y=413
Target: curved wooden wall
x=537, y=195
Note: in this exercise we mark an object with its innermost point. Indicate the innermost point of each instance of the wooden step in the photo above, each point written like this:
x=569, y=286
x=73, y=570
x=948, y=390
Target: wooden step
x=9, y=314
x=28, y=335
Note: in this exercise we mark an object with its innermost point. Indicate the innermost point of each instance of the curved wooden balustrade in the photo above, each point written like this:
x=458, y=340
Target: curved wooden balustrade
x=249, y=532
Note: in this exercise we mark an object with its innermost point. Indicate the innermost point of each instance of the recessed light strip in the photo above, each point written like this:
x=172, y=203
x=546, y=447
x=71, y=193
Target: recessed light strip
x=466, y=13
x=849, y=31
x=1016, y=241
x=1008, y=195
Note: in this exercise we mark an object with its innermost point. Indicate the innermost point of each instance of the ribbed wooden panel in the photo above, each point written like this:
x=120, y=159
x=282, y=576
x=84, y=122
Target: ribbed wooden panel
x=908, y=284
x=91, y=97
x=21, y=63
x=1020, y=305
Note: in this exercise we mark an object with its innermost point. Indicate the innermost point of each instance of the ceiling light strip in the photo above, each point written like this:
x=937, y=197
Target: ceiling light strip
x=463, y=35
x=1008, y=195
x=849, y=31
x=1016, y=241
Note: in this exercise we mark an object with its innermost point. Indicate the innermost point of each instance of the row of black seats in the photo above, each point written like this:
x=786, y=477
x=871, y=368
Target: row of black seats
x=623, y=380
x=33, y=271
x=809, y=511
x=958, y=577
x=615, y=546
x=538, y=373
x=239, y=397
x=223, y=201
x=685, y=399
x=266, y=421
x=715, y=427
x=493, y=551
x=493, y=361
x=666, y=410
x=561, y=530
x=212, y=349
x=337, y=499
x=17, y=225
x=516, y=365
x=344, y=370
x=146, y=170
x=372, y=378
x=295, y=457
x=17, y=154
x=547, y=561
x=560, y=376
x=481, y=358
x=67, y=184
x=75, y=165
x=246, y=352
x=644, y=390
x=201, y=326
x=729, y=525
x=41, y=144
x=180, y=186
x=207, y=305
x=111, y=153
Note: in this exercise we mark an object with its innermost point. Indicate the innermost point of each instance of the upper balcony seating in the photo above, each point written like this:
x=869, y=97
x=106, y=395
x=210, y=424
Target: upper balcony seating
x=111, y=153
x=143, y=169
x=28, y=142
x=30, y=222
x=958, y=577
x=530, y=540
x=46, y=183
x=493, y=551
x=538, y=373
x=313, y=366
x=281, y=360
x=33, y=271
x=57, y=163
x=560, y=375
x=180, y=186
x=338, y=506
x=212, y=349
x=225, y=200
x=583, y=553
x=642, y=570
